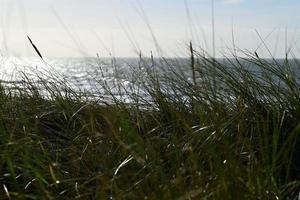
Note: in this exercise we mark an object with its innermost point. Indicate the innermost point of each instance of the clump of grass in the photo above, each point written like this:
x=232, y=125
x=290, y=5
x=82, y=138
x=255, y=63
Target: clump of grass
x=224, y=130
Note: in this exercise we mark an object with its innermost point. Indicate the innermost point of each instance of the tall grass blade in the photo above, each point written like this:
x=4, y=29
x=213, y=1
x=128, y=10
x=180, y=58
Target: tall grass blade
x=35, y=48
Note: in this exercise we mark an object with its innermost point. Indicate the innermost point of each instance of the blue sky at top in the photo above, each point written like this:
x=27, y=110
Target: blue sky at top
x=85, y=27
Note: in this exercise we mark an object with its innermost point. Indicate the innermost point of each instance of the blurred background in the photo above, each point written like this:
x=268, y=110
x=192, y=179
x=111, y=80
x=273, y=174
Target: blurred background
x=77, y=28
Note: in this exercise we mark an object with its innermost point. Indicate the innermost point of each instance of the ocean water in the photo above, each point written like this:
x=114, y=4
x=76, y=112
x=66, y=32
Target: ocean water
x=79, y=73
x=94, y=75
x=79, y=70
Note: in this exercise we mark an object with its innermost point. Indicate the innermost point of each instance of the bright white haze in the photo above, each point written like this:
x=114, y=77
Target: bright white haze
x=78, y=28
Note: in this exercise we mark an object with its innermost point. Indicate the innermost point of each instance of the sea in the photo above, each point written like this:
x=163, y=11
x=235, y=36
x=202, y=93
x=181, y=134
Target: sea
x=89, y=76
x=102, y=76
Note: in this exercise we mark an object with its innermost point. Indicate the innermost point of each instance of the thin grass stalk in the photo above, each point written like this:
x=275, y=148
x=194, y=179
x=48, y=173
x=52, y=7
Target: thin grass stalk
x=193, y=64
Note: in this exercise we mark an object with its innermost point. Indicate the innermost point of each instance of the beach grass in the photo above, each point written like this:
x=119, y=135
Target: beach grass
x=223, y=131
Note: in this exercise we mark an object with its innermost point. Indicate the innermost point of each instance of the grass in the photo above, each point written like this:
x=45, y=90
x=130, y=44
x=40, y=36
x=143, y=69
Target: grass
x=225, y=133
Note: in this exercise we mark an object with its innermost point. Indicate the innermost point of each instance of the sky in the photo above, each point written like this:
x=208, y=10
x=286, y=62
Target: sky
x=122, y=28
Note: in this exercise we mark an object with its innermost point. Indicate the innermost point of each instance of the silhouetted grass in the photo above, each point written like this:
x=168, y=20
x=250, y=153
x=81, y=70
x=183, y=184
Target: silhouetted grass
x=225, y=132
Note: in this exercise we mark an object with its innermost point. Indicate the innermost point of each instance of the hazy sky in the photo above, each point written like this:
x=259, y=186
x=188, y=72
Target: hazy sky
x=73, y=28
